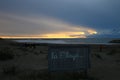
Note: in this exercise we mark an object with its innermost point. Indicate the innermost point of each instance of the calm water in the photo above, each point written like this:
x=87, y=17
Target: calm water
x=67, y=41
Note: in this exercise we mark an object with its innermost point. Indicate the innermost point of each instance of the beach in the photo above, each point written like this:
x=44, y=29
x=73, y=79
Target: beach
x=29, y=61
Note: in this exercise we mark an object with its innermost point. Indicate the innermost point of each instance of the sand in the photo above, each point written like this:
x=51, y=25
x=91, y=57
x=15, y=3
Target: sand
x=105, y=64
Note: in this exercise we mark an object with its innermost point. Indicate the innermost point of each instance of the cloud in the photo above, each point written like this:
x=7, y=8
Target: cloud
x=98, y=14
x=39, y=26
x=115, y=33
x=101, y=15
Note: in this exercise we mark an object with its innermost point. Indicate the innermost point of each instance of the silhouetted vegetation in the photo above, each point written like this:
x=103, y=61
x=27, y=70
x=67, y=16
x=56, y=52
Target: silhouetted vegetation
x=98, y=56
x=115, y=41
x=6, y=54
x=9, y=70
x=36, y=75
x=112, y=52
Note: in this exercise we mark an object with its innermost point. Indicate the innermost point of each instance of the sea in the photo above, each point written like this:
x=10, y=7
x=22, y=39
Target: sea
x=69, y=41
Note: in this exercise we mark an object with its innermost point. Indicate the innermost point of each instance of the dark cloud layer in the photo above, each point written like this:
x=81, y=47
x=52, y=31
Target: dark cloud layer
x=102, y=15
x=39, y=26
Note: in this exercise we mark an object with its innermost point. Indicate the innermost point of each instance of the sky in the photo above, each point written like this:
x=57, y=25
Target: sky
x=59, y=18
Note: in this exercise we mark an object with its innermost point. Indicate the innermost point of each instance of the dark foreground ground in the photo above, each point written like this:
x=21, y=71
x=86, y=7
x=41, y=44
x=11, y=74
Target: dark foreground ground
x=30, y=63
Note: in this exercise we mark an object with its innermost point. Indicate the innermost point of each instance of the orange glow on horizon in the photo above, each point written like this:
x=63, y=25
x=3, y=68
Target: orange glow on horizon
x=64, y=35
x=49, y=36
x=52, y=35
x=56, y=35
x=92, y=32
